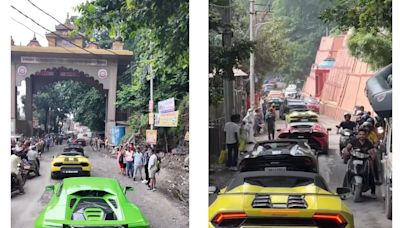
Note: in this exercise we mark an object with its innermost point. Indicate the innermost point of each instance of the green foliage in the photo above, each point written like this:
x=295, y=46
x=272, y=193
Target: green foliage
x=54, y=102
x=372, y=23
x=157, y=33
x=303, y=29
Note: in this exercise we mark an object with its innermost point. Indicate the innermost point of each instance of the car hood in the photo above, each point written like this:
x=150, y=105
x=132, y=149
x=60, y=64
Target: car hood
x=58, y=213
x=303, y=114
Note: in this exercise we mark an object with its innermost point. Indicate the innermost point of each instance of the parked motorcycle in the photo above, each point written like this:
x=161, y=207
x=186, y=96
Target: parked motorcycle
x=357, y=174
x=15, y=185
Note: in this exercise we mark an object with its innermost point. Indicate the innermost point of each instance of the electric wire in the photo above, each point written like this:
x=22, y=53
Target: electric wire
x=54, y=32
x=83, y=36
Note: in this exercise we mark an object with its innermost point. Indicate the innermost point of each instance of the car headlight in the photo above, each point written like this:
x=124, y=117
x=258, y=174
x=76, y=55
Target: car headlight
x=58, y=164
x=84, y=164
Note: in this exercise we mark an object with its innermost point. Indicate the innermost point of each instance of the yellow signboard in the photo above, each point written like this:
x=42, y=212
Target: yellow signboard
x=151, y=118
x=169, y=119
x=151, y=136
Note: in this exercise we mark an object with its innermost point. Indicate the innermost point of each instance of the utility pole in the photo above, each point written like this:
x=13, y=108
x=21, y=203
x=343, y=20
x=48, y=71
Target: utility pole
x=151, y=103
x=252, y=89
x=227, y=42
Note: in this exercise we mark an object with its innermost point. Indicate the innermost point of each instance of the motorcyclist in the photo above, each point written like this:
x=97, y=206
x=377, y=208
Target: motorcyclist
x=15, y=160
x=365, y=146
x=347, y=123
x=33, y=159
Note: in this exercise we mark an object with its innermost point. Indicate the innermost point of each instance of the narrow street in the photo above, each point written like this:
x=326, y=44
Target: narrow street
x=161, y=211
x=368, y=214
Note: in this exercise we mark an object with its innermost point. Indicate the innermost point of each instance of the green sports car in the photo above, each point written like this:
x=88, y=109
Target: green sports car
x=90, y=202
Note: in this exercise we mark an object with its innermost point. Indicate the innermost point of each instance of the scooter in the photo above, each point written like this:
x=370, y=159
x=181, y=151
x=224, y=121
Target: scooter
x=15, y=185
x=357, y=174
x=27, y=169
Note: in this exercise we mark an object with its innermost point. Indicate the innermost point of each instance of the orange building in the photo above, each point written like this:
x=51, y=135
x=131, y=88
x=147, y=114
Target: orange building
x=337, y=78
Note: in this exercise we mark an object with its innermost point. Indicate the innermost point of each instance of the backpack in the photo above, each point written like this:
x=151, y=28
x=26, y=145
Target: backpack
x=158, y=165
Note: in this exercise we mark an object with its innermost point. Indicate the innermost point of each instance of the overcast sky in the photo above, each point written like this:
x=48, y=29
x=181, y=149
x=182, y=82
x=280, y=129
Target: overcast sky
x=56, y=8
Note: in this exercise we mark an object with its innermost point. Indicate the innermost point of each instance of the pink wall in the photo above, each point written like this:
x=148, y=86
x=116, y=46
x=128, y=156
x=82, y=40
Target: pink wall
x=345, y=84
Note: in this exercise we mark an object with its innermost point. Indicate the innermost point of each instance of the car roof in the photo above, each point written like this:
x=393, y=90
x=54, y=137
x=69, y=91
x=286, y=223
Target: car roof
x=239, y=178
x=75, y=184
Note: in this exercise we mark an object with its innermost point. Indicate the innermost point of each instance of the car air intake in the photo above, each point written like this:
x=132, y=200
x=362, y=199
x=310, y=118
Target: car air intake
x=72, y=203
x=262, y=201
x=94, y=214
x=113, y=203
x=296, y=201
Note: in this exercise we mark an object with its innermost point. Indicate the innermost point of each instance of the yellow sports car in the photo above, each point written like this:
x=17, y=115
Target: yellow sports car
x=278, y=199
x=71, y=162
x=301, y=115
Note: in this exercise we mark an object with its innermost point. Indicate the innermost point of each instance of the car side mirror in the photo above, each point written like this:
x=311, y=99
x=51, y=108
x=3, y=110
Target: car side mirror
x=50, y=188
x=128, y=189
x=86, y=156
x=344, y=193
x=212, y=190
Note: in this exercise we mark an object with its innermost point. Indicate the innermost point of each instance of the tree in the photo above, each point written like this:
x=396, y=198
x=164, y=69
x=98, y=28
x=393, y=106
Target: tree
x=371, y=21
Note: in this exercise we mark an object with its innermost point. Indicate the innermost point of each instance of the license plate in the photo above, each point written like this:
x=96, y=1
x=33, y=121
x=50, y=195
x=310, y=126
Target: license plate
x=304, y=120
x=358, y=162
x=275, y=169
x=70, y=171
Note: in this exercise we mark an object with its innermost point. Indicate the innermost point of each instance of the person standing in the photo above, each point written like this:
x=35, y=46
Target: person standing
x=138, y=163
x=232, y=132
x=152, y=169
x=129, y=162
x=270, y=121
x=146, y=157
x=120, y=158
x=258, y=122
x=15, y=160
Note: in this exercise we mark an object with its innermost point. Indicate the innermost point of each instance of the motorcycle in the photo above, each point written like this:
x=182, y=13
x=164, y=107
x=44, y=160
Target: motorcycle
x=345, y=136
x=27, y=169
x=15, y=185
x=357, y=174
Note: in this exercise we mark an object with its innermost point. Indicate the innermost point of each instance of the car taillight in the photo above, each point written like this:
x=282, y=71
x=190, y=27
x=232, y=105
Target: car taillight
x=226, y=218
x=337, y=218
x=58, y=164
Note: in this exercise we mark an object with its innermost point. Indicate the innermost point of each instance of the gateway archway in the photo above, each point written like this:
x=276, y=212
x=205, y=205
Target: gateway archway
x=40, y=66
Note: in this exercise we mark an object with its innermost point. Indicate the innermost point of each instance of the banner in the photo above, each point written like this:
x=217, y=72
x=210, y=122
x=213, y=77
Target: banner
x=151, y=137
x=151, y=118
x=166, y=106
x=117, y=133
x=169, y=119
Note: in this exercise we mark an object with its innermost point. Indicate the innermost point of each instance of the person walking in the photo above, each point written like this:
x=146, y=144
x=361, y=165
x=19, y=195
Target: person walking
x=152, y=169
x=120, y=158
x=270, y=121
x=232, y=132
x=258, y=122
x=138, y=164
x=129, y=162
x=146, y=157
x=32, y=156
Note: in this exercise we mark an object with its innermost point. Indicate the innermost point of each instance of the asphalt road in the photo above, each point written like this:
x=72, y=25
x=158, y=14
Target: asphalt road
x=367, y=214
x=160, y=210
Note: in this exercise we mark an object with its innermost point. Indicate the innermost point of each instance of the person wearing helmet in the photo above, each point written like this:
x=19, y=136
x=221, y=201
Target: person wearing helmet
x=347, y=123
x=362, y=143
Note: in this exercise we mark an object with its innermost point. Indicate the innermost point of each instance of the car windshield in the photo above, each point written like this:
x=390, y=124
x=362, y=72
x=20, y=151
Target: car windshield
x=278, y=181
x=275, y=145
x=311, y=101
x=71, y=153
x=294, y=109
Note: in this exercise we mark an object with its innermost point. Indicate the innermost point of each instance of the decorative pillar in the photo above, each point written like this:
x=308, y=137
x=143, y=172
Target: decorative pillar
x=28, y=107
x=13, y=100
x=111, y=99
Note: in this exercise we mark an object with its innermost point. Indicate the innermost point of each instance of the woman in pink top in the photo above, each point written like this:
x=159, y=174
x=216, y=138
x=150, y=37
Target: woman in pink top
x=129, y=162
x=121, y=160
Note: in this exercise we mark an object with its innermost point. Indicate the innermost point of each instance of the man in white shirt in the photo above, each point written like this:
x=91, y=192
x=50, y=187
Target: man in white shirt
x=15, y=160
x=232, y=132
x=33, y=159
x=152, y=166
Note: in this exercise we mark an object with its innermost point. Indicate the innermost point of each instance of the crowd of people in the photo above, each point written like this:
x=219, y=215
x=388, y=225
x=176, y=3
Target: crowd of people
x=133, y=160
